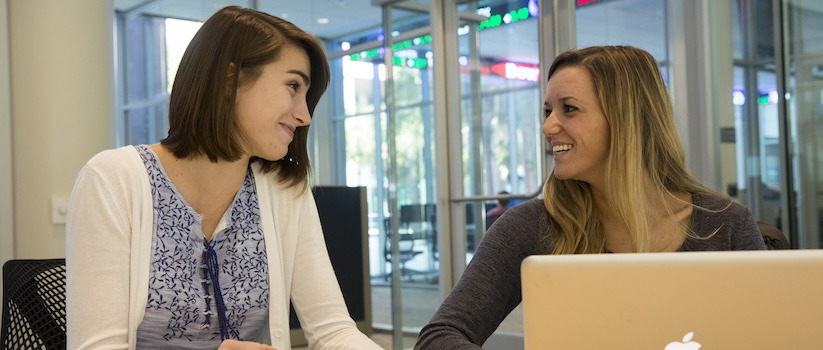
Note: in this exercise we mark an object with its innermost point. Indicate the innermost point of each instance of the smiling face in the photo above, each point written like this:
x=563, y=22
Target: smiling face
x=271, y=107
x=576, y=127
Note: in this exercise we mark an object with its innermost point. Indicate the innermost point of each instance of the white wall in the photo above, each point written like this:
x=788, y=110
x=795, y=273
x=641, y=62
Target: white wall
x=720, y=14
x=62, y=108
x=6, y=213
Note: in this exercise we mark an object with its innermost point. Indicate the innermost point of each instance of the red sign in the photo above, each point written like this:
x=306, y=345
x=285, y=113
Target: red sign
x=517, y=71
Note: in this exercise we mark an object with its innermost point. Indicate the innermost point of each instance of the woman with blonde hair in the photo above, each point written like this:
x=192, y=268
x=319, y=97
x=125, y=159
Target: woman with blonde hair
x=619, y=185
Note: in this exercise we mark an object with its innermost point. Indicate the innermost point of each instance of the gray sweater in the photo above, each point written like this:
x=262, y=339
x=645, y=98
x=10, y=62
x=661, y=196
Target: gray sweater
x=490, y=287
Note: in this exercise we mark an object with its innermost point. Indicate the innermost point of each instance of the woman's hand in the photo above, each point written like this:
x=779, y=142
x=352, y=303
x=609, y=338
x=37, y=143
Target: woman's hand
x=231, y=344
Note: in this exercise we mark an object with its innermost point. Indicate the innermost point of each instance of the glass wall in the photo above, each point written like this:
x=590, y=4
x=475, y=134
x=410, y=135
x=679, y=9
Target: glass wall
x=802, y=74
x=383, y=124
x=640, y=23
x=777, y=97
x=144, y=97
x=755, y=99
x=383, y=129
x=500, y=109
x=499, y=135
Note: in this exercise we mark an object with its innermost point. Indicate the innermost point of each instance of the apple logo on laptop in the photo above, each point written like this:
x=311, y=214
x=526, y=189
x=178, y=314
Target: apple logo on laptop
x=686, y=344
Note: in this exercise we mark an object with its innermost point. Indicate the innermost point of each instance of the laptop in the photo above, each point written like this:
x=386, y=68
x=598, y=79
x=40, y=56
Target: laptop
x=674, y=301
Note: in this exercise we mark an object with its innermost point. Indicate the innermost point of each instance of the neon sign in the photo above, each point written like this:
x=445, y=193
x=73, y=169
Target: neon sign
x=517, y=71
x=494, y=21
x=507, y=18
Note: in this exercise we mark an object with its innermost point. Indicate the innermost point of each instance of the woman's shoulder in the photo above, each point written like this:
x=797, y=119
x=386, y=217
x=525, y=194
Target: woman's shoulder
x=527, y=214
x=115, y=158
x=272, y=183
x=121, y=170
x=122, y=162
x=531, y=208
x=717, y=203
x=527, y=219
x=730, y=225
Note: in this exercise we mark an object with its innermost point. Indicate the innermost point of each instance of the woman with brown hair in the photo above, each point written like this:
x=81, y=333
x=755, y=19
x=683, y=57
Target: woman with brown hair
x=201, y=240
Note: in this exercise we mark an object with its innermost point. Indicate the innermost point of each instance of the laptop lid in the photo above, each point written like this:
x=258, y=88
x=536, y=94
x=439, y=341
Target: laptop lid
x=674, y=301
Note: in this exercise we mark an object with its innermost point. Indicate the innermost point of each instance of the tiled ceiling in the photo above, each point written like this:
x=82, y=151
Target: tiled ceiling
x=344, y=16
x=633, y=22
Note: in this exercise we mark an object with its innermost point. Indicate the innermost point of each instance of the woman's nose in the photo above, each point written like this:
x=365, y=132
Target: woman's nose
x=550, y=125
x=301, y=113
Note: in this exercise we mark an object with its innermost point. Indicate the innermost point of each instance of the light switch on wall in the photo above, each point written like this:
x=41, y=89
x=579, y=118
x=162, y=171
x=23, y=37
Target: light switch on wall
x=59, y=209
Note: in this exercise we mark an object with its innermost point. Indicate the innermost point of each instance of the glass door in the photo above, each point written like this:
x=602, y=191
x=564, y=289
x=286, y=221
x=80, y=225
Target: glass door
x=499, y=101
x=803, y=96
x=758, y=133
x=490, y=121
x=384, y=131
x=410, y=245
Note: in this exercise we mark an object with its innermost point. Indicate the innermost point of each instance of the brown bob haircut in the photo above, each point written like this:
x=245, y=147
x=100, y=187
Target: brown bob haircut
x=229, y=51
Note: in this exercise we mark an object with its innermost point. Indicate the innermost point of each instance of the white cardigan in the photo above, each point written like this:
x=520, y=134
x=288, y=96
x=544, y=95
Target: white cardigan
x=108, y=251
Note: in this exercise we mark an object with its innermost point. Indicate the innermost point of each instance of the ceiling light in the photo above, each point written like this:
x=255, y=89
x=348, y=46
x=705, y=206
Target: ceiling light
x=323, y=20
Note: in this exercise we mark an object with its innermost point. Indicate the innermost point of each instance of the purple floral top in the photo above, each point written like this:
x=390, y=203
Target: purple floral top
x=201, y=292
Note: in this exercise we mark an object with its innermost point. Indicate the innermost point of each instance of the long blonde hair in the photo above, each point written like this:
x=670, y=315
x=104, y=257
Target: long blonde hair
x=645, y=154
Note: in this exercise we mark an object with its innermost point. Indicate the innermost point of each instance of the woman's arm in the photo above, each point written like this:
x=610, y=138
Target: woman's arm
x=490, y=287
x=316, y=294
x=745, y=234
x=97, y=263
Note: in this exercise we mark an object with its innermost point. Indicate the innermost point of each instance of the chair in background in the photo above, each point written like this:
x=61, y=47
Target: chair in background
x=34, y=304
x=774, y=238
x=407, y=251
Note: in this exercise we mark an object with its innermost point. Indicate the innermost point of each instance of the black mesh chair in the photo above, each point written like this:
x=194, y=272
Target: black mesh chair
x=34, y=304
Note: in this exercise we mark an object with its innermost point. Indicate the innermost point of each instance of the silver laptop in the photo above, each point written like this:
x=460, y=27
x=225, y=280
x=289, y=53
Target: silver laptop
x=674, y=301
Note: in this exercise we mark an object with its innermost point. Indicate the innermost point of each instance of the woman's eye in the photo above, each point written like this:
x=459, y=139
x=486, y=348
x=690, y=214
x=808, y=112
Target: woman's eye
x=569, y=109
x=546, y=113
x=294, y=86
